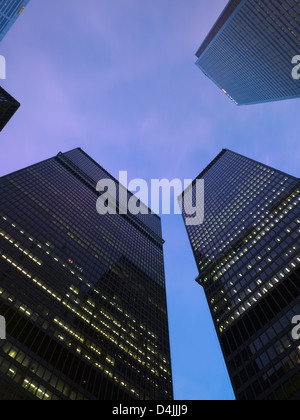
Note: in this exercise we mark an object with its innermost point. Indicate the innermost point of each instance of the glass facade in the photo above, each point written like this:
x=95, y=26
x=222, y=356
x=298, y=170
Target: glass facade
x=8, y=107
x=83, y=294
x=247, y=254
x=249, y=51
x=10, y=10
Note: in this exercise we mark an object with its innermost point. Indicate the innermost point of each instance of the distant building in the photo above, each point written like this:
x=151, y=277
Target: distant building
x=247, y=252
x=249, y=51
x=8, y=107
x=83, y=294
x=10, y=10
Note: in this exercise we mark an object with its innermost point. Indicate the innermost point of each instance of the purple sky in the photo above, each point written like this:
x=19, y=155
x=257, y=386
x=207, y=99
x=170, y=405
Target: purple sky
x=118, y=79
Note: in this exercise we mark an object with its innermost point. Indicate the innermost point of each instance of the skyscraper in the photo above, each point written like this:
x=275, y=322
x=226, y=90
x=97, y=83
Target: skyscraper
x=8, y=107
x=249, y=51
x=248, y=258
x=83, y=294
x=10, y=10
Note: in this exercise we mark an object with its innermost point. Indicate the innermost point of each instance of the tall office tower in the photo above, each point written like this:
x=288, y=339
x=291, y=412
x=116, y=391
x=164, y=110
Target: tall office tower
x=8, y=107
x=247, y=254
x=10, y=10
x=249, y=51
x=83, y=294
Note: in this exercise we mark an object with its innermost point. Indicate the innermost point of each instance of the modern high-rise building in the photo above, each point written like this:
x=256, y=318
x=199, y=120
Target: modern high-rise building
x=247, y=251
x=249, y=51
x=10, y=10
x=8, y=107
x=83, y=294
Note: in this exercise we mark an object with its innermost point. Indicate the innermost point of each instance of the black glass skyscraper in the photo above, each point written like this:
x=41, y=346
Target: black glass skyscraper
x=10, y=10
x=83, y=294
x=247, y=254
x=8, y=107
x=249, y=51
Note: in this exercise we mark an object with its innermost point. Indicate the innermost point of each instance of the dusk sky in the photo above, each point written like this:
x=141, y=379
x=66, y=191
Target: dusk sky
x=118, y=79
